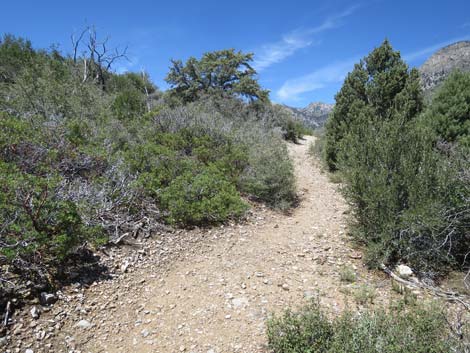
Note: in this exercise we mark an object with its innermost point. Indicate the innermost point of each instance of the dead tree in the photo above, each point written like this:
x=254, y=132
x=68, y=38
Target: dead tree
x=147, y=94
x=98, y=58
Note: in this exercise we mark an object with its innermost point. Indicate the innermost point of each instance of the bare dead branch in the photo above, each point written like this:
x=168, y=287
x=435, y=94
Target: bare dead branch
x=76, y=43
x=447, y=295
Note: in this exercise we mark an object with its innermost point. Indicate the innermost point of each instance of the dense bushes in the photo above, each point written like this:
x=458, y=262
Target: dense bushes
x=201, y=197
x=400, y=329
x=84, y=157
x=449, y=112
x=244, y=148
x=410, y=203
x=379, y=89
x=410, y=197
x=41, y=226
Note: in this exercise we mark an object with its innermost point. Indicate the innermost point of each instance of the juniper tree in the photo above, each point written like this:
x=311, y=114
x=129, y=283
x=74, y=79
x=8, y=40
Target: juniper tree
x=449, y=112
x=410, y=201
x=379, y=87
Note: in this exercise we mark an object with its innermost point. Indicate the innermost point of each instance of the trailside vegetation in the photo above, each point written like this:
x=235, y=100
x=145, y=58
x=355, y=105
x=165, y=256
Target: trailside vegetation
x=397, y=329
x=86, y=154
x=404, y=166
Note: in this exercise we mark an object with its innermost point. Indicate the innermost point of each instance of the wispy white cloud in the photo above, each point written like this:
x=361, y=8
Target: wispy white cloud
x=293, y=41
x=465, y=25
x=335, y=73
x=424, y=52
x=291, y=90
x=276, y=52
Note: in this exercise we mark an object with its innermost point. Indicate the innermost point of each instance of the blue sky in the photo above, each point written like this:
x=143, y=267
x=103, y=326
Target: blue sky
x=303, y=49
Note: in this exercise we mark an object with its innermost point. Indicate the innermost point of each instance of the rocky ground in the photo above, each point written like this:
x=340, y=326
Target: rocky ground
x=211, y=291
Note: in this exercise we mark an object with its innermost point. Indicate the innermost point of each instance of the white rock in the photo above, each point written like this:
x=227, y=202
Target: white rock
x=125, y=266
x=40, y=335
x=29, y=351
x=404, y=271
x=84, y=324
x=309, y=294
x=239, y=302
x=34, y=313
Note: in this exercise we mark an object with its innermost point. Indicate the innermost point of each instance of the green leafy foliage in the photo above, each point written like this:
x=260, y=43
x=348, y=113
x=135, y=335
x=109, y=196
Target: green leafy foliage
x=201, y=197
x=379, y=88
x=15, y=54
x=83, y=148
x=41, y=226
x=224, y=71
x=449, y=111
x=128, y=105
x=45, y=227
x=410, y=198
x=398, y=330
x=270, y=174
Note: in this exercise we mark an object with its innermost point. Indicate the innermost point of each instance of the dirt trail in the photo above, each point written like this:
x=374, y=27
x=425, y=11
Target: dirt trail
x=217, y=298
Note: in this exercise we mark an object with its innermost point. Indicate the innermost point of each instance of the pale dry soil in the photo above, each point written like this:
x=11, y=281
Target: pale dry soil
x=217, y=296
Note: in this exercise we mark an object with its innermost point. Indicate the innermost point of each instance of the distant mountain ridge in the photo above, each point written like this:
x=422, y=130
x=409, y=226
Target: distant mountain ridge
x=314, y=115
x=447, y=59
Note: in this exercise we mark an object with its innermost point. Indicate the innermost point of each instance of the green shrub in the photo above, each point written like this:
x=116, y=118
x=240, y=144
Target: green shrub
x=347, y=274
x=269, y=176
x=409, y=198
x=364, y=294
x=15, y=54
x=307, y=330
x=449, y=111
x=316, y=148
x=200, y=198
x=379, y=88
x=38, y=226
x=396, y=330
x=242, y=146
x=128, y=105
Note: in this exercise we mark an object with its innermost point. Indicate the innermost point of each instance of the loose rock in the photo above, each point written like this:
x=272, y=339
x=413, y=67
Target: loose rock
x=84, y=324
x=47, y=298
x=404, y=271
x=34, y=313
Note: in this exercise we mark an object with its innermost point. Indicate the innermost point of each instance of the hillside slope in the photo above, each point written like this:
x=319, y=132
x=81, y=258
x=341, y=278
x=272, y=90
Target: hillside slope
x=438, y=67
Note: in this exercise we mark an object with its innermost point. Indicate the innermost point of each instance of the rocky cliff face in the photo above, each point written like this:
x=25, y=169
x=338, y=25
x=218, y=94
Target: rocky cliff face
x=438, y=67
x=314, y=115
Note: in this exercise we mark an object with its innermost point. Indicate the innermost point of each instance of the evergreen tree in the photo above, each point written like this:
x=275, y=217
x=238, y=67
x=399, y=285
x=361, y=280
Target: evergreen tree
x=410, y=201
x=449, y=112
x=379, y=87
x=224, y=71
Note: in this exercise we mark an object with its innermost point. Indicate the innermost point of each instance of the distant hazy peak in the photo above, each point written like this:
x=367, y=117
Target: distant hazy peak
x=313, y=115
